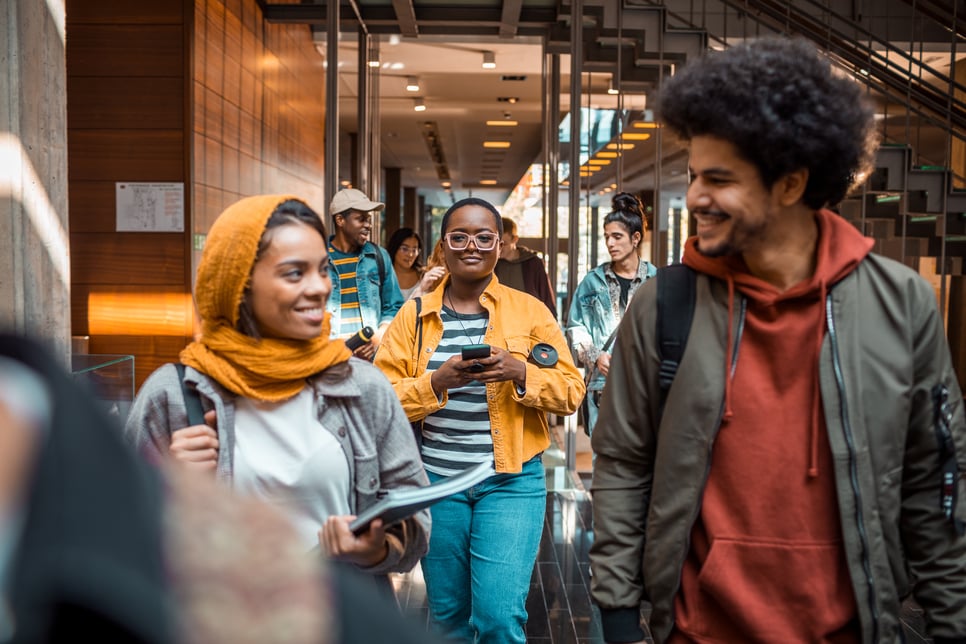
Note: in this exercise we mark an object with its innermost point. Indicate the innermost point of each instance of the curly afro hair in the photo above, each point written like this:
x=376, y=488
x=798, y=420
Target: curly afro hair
x=779, y=103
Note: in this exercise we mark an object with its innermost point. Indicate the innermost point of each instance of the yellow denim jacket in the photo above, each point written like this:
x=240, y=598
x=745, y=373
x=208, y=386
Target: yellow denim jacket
x=518, y=424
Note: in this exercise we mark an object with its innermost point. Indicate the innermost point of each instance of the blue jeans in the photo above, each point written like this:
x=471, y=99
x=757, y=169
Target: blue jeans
x=482, y=550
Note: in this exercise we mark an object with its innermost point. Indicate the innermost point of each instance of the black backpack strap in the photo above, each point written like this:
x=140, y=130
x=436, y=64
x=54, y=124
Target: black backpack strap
x=675, y=310
x=417, y=425
x=192, y=399
x=381, y=262
x=419, y=333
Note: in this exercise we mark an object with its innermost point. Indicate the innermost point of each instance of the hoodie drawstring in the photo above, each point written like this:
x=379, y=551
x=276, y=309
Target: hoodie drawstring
x=731, y=347
x=816, y=389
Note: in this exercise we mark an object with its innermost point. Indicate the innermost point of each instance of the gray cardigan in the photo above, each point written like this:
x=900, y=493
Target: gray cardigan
x=354, y=402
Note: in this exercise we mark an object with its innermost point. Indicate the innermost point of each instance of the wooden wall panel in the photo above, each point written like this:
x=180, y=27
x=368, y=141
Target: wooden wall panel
x=92, y=207
x=117, y=102
x=124, y=12
x=150, y=259
x=127, y=97
x=126, y=155
x=125, y=50
x=260, y=129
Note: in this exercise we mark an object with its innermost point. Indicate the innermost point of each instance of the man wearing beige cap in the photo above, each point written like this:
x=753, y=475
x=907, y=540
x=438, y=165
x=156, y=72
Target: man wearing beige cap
x=365, y=291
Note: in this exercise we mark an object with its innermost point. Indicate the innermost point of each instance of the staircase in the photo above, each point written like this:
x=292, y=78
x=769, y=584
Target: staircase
x=911, y=211
x=649, y=47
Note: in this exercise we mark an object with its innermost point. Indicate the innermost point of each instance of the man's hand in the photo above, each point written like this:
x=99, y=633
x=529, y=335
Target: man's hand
x=603, y=363
x=196, y=447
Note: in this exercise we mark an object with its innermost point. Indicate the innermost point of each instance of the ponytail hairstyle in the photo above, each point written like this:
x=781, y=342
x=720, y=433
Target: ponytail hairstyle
x=627, y=210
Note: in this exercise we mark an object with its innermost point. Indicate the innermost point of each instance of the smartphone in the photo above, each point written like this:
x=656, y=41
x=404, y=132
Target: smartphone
x=476, y=351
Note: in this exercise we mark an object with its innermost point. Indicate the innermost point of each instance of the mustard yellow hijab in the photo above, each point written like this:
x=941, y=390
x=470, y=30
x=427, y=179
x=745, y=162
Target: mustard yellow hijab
x=269, y=369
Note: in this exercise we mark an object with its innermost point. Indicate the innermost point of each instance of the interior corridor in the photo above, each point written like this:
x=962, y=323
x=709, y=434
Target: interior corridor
x=559, y=607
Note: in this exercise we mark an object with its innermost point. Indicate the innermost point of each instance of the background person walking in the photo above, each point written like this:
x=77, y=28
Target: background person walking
x=603, y=295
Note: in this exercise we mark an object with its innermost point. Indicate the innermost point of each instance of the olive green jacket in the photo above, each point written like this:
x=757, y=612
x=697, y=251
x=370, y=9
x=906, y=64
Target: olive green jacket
x=883, y=354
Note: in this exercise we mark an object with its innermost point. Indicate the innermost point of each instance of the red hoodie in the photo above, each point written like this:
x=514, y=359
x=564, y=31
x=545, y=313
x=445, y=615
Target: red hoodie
x=766, y=562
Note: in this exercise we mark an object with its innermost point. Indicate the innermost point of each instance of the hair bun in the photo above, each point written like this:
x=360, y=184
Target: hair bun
x=627, y=203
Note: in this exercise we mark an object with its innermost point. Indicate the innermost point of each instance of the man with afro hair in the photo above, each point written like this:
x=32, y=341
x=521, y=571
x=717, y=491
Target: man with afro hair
x=803, y=473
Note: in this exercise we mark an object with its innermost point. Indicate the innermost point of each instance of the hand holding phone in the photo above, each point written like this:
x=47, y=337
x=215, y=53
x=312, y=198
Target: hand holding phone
x=475, y=352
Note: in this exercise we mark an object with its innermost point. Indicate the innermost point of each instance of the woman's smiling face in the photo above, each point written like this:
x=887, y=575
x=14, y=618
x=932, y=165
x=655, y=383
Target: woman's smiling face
x=471, y=263
x=290, y=284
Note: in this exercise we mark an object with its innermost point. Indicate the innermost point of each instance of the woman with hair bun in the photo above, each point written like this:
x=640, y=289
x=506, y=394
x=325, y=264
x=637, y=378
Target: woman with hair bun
x=602, y=297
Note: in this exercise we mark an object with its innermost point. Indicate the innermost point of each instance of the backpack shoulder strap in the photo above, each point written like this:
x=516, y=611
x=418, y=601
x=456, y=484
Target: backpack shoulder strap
x=675, y=310
x=381, y=261
x=192, y=399
x=419, y=333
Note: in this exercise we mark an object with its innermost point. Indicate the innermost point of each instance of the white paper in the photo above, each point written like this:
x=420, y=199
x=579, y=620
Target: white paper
x=150, y=207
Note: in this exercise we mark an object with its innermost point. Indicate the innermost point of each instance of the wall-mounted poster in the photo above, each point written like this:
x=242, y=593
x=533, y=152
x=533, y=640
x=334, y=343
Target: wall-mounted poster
x=150, y=207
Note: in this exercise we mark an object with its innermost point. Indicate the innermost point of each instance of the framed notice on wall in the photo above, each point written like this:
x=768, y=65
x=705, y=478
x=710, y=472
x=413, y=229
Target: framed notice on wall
x=150, y=207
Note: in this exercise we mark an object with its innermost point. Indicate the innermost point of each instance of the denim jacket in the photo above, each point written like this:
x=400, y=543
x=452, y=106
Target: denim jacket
x=378, y=301
x=595, y=313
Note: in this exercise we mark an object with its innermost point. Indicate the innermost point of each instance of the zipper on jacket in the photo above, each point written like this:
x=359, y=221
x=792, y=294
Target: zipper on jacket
x=739, y=331
x=853, y=466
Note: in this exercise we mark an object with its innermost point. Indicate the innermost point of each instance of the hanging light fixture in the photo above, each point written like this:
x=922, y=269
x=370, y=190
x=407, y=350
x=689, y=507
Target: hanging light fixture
x=611, y=89
x=419, y=105
x=412, y=84
x=489, y=60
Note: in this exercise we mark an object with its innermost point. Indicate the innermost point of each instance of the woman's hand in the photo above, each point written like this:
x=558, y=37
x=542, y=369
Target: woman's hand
x=603, y=363
x=501, y=366
x=451, y=374
x=429, y=280
x=366, y=550
x=196, y=447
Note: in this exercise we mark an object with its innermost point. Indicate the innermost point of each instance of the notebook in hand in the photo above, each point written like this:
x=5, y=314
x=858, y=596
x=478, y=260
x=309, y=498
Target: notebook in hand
x=399, y=504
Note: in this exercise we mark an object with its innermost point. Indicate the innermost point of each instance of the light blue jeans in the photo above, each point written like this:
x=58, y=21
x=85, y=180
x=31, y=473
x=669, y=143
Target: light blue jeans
x=482, y=550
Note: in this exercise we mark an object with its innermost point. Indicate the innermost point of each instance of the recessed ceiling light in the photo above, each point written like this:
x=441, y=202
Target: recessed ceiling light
x=620, y=146
x=489, y=60
x=496, y=144
x=503, y=123
x=419, y=105
x=412, y=84
x=607, y=155
x=446, y=184
x=598, y=162
x=635, y=136
x=645, y=125
x=488, y=182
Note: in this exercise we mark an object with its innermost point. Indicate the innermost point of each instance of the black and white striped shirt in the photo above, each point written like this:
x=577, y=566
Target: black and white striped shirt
x=458, y=436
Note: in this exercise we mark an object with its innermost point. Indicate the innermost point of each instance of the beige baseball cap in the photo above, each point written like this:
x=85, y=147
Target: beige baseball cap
x=352, y=199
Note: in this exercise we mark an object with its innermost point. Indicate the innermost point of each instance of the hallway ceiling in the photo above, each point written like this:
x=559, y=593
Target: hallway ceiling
x=441, y=43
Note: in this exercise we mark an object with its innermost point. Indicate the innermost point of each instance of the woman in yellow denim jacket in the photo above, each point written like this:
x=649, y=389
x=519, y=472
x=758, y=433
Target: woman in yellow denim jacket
x=484, y=541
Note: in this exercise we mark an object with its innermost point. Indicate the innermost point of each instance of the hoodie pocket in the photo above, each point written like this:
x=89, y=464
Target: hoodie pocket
x=770, y=591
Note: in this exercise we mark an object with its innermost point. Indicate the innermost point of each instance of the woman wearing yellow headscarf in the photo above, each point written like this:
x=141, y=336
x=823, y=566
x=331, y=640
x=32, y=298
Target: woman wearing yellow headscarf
x=289, y=417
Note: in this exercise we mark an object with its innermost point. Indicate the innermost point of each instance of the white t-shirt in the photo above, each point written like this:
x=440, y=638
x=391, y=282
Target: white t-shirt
x=285, y=456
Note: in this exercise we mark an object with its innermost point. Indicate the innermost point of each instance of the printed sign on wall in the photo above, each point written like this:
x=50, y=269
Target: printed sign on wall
x=150, y=207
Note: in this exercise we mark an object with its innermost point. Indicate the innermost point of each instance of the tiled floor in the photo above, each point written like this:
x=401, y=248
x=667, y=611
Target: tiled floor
x=559, y=607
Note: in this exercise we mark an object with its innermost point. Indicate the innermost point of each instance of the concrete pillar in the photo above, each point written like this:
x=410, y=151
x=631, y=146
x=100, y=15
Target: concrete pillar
x=34, y=242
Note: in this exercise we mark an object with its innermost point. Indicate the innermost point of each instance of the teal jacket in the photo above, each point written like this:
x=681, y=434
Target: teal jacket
x=595, y=313
x=379, y=294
